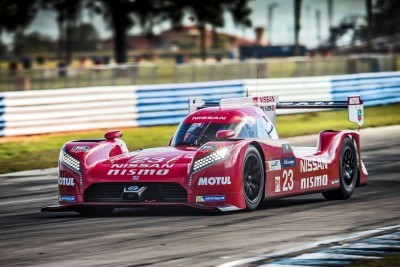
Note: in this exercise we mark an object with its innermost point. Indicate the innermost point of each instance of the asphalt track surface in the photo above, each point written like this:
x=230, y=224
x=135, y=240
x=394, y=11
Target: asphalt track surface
x=138, y=237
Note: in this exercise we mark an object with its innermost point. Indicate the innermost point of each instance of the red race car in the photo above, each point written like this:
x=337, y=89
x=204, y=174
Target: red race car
x=224, y=156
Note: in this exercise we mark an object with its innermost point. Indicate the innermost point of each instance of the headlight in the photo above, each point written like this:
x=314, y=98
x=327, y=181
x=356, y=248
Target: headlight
x=211, y=159
x=70, y=161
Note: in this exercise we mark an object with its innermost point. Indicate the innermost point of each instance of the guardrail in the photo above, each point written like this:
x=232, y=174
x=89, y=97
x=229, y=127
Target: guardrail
x=62, y=110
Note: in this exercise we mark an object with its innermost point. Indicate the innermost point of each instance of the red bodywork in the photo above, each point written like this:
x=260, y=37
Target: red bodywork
x=107, y=169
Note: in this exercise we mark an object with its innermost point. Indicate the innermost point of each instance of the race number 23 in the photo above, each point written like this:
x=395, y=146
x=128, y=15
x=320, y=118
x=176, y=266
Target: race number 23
x=288, y=180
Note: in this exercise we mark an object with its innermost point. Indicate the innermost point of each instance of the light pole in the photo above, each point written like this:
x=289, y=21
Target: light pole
x=318, y=24
x=270, y=13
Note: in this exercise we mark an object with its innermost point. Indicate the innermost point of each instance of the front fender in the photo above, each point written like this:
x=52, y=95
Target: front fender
x=220, y=183
x=76, y=160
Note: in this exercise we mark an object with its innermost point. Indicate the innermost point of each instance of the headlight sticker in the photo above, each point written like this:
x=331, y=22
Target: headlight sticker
x=211, y=159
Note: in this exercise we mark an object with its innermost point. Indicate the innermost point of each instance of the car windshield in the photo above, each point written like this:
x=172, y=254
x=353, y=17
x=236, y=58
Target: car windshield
x=197, y=134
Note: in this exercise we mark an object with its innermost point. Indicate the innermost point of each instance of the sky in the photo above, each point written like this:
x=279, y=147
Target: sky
x=282, y=32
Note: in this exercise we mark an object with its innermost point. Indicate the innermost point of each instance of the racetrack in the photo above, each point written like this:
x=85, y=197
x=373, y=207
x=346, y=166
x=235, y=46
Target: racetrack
x=190, y=238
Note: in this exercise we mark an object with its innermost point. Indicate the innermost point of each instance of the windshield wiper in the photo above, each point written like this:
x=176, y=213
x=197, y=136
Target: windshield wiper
x=197, y=141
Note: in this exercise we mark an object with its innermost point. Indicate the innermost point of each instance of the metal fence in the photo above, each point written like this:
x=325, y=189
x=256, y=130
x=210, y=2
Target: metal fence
x=148, y=73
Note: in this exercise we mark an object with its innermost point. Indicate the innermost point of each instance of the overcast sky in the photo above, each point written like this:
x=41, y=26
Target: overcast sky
x=282, y=25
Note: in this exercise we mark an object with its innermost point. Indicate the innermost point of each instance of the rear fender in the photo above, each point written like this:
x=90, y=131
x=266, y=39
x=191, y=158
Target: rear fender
x=330, y=142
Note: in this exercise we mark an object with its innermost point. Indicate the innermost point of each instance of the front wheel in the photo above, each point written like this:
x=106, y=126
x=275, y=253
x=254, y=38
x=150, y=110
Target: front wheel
x=348, y=172
x=253, y=178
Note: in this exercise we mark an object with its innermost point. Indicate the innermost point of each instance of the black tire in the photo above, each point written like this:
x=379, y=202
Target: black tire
x=348, y=172
x=253, y=178
x=94, y=211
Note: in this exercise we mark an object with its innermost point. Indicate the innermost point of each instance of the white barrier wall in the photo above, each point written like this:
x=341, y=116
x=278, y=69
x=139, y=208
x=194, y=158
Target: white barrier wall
x=48, y=111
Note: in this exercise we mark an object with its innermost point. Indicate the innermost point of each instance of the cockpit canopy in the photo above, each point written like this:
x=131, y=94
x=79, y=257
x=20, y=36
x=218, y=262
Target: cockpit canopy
x=196, y=133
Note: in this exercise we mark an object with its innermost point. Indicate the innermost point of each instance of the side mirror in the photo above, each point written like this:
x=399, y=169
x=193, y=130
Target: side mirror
x=111, y=135
x=225, y=134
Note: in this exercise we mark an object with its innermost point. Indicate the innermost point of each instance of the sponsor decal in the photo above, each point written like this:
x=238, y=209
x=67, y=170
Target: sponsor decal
x=138, y=172
x=207, y=148
x=288, y=182
x=263, y=99
x=312, y=165
x=66, y=181
x=288, y=162
x=208, y=118
x=359, y=115
x=314, y=181
x=224, y=180
x=274, y=165
x=287, y=148
x=312, y=103
x=335, y=181
x=354, y=101
x=277, y=184
x=267, y=99
x=210, y=198
x=65, y=198
x=255, y=101
x=143, y=166
x=267, y=108
x=79, y=149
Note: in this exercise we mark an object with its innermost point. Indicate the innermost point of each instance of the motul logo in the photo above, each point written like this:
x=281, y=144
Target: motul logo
x=214, y=180
x=66, y=181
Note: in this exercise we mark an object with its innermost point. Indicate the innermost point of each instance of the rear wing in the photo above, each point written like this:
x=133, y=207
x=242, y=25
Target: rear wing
x=269, y=105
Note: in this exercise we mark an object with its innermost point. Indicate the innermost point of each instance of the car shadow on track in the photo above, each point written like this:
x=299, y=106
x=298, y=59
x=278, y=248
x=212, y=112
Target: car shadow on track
x=290, y=202
x=187, y=212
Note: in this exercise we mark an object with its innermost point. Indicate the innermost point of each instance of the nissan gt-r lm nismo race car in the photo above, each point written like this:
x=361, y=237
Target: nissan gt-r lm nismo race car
x=224, y=156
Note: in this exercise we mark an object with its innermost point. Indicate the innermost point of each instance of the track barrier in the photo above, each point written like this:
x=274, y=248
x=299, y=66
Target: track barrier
x=62, y=110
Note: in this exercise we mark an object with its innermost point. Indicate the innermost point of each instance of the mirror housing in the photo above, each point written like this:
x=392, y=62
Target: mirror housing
x=225, y=134
x=111, y=135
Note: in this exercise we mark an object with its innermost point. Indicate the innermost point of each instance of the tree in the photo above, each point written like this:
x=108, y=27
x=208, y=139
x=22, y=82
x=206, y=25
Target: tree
x=3, y=49
x=32, y=43
x=386, y=18
x=121, y=15
x=84, y=37
x=15, y=14
x=211, y=12
x=297, y=26
x=67, y=12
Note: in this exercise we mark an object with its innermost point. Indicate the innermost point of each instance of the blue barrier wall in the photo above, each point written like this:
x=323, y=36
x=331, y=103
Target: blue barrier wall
x=168, y=104
x=2, y=108
x=374, y=89
x=110, y=107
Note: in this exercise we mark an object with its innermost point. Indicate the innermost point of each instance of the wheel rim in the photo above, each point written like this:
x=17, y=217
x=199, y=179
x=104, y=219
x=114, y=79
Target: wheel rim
x=252, y=178
x=348, y=166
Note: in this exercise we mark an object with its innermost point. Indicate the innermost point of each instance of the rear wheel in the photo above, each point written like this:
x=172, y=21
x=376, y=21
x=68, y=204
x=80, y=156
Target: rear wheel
x=348, y=172
x=253, y=178
x=94, y=211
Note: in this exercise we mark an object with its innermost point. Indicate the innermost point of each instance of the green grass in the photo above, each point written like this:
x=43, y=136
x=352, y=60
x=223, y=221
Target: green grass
x=36, y=152
x=387, y=261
